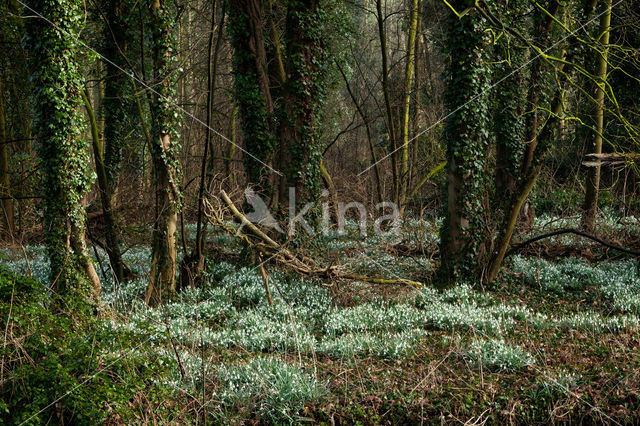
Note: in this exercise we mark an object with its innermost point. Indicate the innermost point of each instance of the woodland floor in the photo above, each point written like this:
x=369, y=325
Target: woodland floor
x=554, y=340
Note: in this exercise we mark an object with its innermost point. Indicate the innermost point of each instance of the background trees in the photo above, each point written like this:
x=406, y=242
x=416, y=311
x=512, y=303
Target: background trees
x=287, y=94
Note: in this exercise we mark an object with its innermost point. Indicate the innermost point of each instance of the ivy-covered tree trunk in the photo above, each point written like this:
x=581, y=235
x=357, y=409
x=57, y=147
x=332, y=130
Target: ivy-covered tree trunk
x=57, y=84
x=279, y=119
x=463, y=233
x=300, y=153
x=524, y=187
x=252, y=93
x=164, y=149
x=508, y=118
x=546, y=103
x=115, y=116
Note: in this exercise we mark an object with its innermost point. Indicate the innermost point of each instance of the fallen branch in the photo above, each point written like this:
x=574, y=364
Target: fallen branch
x=270, y=249
x=576, y=232
x=610, y=159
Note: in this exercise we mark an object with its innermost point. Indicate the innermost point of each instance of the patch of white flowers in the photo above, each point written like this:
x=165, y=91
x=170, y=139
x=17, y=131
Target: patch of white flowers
x=496, y=354
x=456, y=309
x=561, y=382
x=608, y=220
x=32, y=262
x=255, y=332
x=617, y=282
x=373, y=317
x=271, y=388
x=594, y=323
x=384, y=345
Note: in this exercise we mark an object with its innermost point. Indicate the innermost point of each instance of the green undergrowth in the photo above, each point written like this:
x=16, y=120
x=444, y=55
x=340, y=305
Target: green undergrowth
x=53, y=364
x=548, y=330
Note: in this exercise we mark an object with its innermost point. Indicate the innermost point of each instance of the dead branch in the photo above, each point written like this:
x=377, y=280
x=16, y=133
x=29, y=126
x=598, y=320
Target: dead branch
x=270, y=249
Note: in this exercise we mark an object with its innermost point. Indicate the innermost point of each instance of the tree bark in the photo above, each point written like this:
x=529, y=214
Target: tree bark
x=300, y=155
x=522, y=192
x=331, y=188
x=252, y=92
x=115, y=109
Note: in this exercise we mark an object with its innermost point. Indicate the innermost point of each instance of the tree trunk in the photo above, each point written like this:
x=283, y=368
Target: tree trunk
x=162, y=281
x=300, y=153
x=112, y=247
x=522, y=192
x=57, y=87
x=509, y=125
x=408, y=86
x=463, y=233
x=387, y=102
x=231, y=152
x=593, y=174
x=331, y=188
x=115, y=113
x=251, y=91
x=415, y=104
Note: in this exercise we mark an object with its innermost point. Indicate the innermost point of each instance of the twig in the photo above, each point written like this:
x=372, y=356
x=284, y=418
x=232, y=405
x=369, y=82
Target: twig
x=265, y=279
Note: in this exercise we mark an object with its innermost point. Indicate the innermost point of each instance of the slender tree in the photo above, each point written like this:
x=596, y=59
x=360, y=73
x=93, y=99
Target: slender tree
x=13, y=108
x=115, y=110
x=597, y=129
x=192, y=265
x=410, y=65
x=5, y=181
x=391, y=131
